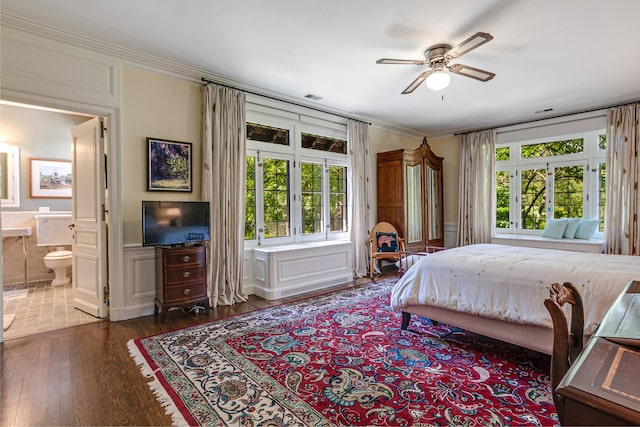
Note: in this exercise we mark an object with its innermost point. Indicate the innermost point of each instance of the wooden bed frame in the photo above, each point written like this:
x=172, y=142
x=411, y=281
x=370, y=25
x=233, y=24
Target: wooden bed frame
x=534, y=337
x=599, y=275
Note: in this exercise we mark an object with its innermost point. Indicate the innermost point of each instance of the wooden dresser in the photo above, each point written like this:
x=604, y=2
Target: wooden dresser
x=602, y=387
x=181, y=279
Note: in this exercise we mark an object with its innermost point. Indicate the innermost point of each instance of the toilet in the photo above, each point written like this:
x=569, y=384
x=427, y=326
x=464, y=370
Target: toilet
x=54, y=230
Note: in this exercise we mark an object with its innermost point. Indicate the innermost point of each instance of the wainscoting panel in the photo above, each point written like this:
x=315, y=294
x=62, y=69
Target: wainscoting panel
x=269, y=272
x=450, y=235
x=140, y=281
x=247, y=272
x=35, y=64
x=281, y=271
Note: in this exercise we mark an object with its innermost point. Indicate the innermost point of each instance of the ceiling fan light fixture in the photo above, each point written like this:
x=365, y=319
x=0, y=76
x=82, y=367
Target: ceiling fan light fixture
x=438, y=79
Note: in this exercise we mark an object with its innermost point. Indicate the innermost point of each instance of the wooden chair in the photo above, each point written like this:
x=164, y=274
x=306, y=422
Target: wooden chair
x=382, y=242
x=567, y=342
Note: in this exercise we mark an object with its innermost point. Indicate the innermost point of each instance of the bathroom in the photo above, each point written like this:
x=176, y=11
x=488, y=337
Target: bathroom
x=33, y=142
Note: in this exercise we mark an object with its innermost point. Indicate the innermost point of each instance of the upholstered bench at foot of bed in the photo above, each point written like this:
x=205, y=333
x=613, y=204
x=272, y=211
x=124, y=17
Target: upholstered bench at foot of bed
x=534, y=337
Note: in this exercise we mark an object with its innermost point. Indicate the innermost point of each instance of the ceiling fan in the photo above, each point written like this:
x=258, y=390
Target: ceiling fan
x=437, y=57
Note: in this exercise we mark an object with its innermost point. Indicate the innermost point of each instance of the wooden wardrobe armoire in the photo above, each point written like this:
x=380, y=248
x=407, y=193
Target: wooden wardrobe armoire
x=410, y=195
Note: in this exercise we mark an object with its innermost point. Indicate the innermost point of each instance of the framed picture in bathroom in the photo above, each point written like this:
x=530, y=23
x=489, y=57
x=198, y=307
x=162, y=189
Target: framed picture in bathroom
x=50, y=179
x=168, y=165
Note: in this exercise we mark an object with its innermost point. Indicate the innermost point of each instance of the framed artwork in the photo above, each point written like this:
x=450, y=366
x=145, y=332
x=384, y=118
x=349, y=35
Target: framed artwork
x=169, y=165
x=50, y=179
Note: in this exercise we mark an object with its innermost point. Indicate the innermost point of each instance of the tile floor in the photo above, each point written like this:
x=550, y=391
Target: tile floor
x=45, y=308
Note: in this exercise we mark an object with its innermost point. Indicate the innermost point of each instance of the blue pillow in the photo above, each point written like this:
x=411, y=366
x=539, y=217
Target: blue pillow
x=587, y=228
x=572, y=226
x=386, y=242
x=555, y=228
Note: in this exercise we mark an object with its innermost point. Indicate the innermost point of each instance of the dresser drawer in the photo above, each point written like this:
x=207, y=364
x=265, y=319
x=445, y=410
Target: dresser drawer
x=185, y=292
x=184, y=258
x=177, y=276
x=181, y=279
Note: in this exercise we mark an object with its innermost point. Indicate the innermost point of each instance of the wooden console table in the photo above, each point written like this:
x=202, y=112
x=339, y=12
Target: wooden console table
x=602, y=387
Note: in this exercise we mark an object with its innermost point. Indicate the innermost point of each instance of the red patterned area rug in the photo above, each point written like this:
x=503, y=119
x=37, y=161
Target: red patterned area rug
x=341, y=359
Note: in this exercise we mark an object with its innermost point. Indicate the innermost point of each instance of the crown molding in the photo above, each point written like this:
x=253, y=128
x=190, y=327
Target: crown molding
x=174, y=69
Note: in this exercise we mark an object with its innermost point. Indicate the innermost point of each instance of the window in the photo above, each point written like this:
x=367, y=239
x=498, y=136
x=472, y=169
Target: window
x=276, y=192
x=337, y=198
x=561, y=177
x=312, y=195
x=250, y=200
x=503, y=189
x=296, y=185
x=533, y=186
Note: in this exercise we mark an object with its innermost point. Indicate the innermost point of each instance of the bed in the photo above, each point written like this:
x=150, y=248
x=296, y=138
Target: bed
x=499, y=291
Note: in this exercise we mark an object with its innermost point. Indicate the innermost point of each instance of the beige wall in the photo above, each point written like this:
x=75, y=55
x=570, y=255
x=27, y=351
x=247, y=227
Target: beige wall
x=40, y=134
x=160, y=107
x=157, y=106
x=384, y=140
x=449, y=148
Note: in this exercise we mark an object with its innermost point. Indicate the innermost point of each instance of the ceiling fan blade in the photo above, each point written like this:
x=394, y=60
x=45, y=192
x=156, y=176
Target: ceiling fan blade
x=401, y=61
x=474, y=73
x=476, y=40
x=414, y=84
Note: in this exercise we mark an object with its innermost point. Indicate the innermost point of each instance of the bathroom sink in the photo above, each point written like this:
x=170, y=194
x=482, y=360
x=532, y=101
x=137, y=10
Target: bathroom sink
x=17, y=231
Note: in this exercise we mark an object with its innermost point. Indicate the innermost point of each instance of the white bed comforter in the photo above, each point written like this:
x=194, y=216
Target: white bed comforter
x=511, y=283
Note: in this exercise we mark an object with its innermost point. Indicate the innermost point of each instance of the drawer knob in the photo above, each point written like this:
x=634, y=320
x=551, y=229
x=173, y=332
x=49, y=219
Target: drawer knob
x=186, y=258
x=186, y=274
x=186, y=291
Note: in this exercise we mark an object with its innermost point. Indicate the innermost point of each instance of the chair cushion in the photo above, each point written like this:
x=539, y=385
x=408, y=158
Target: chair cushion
x=386, y=242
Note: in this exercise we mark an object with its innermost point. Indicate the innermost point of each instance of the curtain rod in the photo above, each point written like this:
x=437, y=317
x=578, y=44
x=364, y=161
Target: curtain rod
x=207, y=81
x=548, y=118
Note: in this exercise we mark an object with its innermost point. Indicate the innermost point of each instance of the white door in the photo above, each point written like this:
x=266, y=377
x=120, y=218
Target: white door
x=90, y=239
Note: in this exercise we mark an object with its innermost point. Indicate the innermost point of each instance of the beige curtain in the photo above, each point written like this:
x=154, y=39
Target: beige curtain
x=622, y=205
x=223, y=184
x=359, y=194
x=475, y=188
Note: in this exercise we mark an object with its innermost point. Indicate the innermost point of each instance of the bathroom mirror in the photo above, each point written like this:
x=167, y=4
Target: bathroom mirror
x=9, y=176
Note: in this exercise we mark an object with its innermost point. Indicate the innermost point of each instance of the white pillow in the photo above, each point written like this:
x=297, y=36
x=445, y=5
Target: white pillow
x=572, y=226
x=555, y=228
x=587, y=228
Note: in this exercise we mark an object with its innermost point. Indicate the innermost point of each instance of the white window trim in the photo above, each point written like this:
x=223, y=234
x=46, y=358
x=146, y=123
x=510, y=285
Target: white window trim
x=337, y=235
x=312, y=236
x=260, y=199
x=295, y=124
x=590, y=157
x=250, y=243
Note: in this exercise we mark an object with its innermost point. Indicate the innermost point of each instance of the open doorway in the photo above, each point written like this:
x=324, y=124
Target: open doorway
x=34, y=298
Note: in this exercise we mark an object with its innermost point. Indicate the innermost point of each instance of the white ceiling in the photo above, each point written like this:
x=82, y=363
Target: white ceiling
x=568, y=55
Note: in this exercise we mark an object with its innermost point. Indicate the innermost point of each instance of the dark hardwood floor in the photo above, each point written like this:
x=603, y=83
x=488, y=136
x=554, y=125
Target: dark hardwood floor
x=84, y=375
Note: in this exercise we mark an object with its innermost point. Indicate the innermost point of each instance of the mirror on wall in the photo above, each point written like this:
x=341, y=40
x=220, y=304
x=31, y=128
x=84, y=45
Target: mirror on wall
x=434, y=199
x=414, y=203
x=9, y=176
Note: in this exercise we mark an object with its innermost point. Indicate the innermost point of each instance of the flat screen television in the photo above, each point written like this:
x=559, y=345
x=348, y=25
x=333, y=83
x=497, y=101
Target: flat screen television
x=174, y=223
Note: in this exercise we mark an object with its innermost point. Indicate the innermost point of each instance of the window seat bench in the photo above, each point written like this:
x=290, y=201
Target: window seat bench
x=576, y=245
x=286, y=270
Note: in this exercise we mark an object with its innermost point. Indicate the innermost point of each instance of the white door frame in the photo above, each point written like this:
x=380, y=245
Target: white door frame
x=114, y=229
